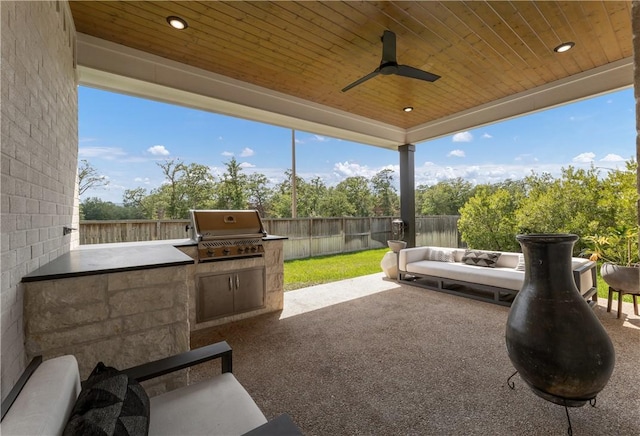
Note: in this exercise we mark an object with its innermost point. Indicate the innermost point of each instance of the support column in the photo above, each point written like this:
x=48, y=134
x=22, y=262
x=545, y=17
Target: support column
x=408, y=192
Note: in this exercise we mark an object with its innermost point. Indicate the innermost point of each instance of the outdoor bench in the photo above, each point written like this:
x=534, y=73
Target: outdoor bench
x=43, y=400
x=491, y=276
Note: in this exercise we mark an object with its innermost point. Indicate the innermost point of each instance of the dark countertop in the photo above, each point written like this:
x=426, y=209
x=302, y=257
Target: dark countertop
x=110, y=258
x=82, y=262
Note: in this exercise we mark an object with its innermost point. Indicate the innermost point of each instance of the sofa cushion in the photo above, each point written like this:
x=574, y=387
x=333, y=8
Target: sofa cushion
x=219, y=405
x=506, y=278
x=521, y=265
x=45, y=402
x=110, y=403
x=439, y=255
x=480, y=258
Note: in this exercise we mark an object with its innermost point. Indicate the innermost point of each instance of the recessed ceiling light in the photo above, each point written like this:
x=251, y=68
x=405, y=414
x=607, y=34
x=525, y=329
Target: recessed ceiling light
x=177, y=23
x=408, y=109
x=565, y=46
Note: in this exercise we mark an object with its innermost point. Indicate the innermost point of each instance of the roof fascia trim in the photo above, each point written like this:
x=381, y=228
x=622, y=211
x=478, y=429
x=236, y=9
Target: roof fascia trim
x=114, y=67
x=611, y=77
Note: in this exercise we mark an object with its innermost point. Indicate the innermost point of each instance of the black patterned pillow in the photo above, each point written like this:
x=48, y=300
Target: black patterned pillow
x=439, y=255
x=109, y=404
x=480, y=258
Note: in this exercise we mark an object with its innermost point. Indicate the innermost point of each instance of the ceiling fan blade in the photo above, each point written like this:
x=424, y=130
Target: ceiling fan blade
x=414, y=73
x=388, y=47
x=362, y=79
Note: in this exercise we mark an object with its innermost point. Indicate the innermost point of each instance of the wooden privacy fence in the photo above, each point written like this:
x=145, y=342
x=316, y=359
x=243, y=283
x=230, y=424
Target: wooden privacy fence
x=307, y=237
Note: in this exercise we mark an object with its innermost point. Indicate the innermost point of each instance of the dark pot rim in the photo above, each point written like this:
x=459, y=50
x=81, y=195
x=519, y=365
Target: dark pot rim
x=547, y=237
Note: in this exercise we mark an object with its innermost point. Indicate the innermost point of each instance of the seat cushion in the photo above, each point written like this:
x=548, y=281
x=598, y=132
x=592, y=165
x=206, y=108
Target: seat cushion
x=45, y=403
x=219, y=405
x=507, y=278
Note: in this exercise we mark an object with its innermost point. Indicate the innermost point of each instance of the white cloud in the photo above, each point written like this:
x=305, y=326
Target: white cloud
x=144, y=180
x=108, y=153
x=246, y=165
x=247, y=152
x=456, y=153
x=463, y=137
x=353, y=169
x=319, y=138
x=350, y=169
x=584, y=157
x=429, y=173
x=158, y=150
x=487, y=136
x=227, y=154
x=612, y=158
x=526, y=158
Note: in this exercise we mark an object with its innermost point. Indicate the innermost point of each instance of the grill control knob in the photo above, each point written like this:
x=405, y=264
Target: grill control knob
x=240, y=250
x=210, y=252
x=226, y=251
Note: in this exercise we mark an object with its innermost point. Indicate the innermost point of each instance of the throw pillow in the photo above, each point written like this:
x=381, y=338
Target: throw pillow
x=439, y=255
x=480, y=258
x=520, y=265
x=109, y=404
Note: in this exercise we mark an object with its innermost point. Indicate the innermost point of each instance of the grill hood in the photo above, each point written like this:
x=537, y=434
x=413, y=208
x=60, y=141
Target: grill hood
x=226, y=224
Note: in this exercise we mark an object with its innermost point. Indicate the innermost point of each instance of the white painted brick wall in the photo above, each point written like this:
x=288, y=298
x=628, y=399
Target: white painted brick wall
x=38, y=149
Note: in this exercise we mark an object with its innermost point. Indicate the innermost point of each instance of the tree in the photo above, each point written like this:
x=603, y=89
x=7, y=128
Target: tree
x=618, y=202
x=357, y=191
x=259, y=193
x=568, y=204
x=487, y=220
x=385, y=196
x=310, y=197
x=94, y=208
x=89, y=178
x=172, y=170
x=446, y=197
x=197, y=186
x=138, y=200
x=306, y=202
x=336, y=203
x=232, y=189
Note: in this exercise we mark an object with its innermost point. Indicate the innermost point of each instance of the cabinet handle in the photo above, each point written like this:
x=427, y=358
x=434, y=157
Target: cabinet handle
x=237, y=281
x=230, y=283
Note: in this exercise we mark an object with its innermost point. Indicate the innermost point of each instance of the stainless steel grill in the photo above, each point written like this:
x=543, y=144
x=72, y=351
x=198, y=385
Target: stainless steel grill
x=227, y=233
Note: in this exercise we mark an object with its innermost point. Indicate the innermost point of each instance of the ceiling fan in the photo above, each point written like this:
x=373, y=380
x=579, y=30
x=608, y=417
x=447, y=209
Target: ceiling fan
x=389, y=65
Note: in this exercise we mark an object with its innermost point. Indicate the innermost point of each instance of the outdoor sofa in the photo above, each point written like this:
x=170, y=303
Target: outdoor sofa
x=492, y=276
x=50, y=400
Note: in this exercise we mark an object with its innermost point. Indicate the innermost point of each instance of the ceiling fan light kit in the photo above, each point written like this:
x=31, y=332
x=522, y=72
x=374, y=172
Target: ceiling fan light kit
x=389, y=65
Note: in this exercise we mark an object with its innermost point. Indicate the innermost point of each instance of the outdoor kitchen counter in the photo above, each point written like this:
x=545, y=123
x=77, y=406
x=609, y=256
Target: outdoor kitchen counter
x=117, y=257
x=130, y=303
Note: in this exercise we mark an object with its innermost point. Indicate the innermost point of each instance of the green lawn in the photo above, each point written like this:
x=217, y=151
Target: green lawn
x=300, y=273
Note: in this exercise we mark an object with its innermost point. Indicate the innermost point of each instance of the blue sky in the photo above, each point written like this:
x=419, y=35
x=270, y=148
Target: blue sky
x=124, y=137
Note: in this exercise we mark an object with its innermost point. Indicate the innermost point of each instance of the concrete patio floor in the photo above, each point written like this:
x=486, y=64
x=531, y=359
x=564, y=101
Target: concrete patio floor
x=368, y=356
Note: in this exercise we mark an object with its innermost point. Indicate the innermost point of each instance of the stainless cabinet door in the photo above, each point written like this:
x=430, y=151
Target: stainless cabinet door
x=250, y=289
x=214, y=296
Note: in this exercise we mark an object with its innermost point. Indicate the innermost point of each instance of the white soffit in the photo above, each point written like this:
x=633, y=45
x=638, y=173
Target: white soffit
x=106, y=65
x=608, y=78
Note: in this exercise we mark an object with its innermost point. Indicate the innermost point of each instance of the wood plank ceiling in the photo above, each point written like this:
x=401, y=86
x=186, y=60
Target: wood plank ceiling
x=484, y=51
